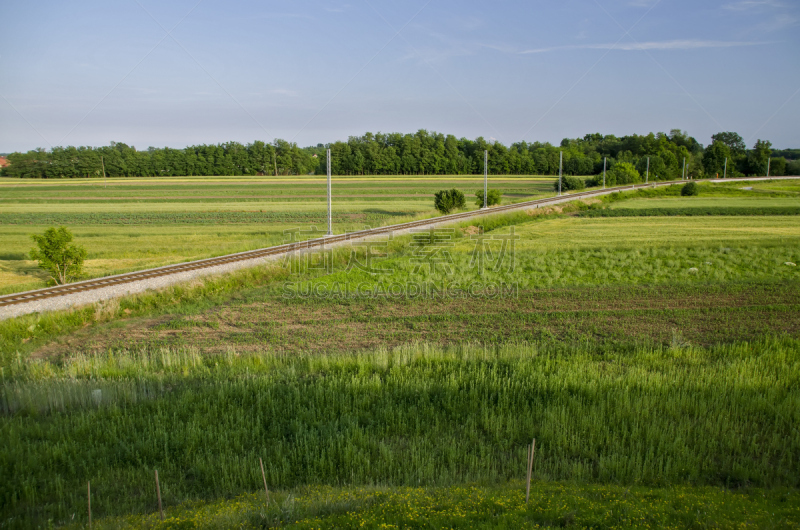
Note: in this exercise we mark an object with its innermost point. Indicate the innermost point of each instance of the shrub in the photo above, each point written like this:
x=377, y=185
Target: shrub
x=449, y=200
x=493, y=197
x=690, y=189
x=63, y=261
x=569, y=183
x=622, y=173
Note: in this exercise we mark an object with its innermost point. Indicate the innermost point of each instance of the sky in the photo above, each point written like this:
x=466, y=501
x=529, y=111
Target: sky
x=178, y=73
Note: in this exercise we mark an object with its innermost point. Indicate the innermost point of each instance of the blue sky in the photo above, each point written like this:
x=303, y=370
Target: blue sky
x=155, y=73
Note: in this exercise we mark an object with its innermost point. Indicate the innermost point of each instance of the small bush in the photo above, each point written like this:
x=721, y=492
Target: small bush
x=448, y=200
x=493, y=197
x=569, y=183
x=622, y=173
x=63, y=261
x=689, y=189
x=594, y=181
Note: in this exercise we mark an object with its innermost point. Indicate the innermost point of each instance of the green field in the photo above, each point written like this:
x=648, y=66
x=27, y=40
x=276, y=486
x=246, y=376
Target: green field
x=710, y=202
x=133, y=224
x=656, y=360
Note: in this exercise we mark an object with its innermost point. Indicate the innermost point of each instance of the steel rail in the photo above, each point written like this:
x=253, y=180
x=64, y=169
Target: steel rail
x=119, y=279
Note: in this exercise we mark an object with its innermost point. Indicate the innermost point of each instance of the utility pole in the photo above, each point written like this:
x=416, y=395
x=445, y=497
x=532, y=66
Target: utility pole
x=330, y=212
x=604, y=172
x=725, y=171
x=560, y=160
x=485, y=179
x=104, y=172
x=768, y=162
x=683, y=175
x=647, y=175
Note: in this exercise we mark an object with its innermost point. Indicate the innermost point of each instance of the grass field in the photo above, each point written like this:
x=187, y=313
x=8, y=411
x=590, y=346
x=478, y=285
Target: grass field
x=710, y=202
x=656, y=360
x=133, y=224
x=720, y=416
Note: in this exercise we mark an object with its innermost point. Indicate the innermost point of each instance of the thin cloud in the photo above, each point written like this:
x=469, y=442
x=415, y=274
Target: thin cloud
x=745, y=5
x=779, y=22
x=339, y=9
x=639, y=46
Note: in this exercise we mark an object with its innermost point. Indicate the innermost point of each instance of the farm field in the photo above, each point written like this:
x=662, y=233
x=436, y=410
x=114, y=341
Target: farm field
x=656, y=360
x=133, y=224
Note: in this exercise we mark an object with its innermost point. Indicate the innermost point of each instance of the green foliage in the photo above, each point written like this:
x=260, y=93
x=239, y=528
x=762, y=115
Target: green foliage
x=622, y=173
x=658, y=170
x=714, y=160
x=421, y=153
x=793, y=167
x=569, y=183
x=778, y=167
x=758, y=158
x=731, y=140
x=63, y=261
x=448, y=200
x=500, y=507
x=493, y=198
x=690, y=189
x=399, y=417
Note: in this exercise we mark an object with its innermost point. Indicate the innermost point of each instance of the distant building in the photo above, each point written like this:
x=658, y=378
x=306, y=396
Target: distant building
x=3, y=162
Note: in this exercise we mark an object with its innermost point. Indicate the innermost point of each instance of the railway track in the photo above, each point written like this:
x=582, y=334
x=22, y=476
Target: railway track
x=122, y=279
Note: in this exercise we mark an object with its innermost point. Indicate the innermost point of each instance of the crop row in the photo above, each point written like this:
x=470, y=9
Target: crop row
x=154, y=218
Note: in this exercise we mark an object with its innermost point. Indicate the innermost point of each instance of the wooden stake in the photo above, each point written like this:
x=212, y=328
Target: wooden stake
x=266, y=490
x=158, y=491
x=89, y=500
x=530, y=470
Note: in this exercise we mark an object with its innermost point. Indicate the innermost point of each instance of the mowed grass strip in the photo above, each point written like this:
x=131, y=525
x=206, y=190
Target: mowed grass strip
x=416, y=415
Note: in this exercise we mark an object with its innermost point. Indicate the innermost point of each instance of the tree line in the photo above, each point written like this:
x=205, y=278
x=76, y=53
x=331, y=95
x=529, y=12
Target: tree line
x=420, y=153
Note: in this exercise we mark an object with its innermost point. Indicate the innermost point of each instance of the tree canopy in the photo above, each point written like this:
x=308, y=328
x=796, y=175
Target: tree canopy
x=420, y=153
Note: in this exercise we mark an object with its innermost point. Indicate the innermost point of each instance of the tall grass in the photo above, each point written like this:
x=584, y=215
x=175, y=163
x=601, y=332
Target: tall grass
x=416, y=415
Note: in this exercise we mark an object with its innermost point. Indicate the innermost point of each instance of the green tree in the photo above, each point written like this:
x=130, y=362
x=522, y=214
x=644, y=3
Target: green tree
x=734, y=142
x=448, y=200
x=714, y=158
x=493, y=197
x=63, y=261
x=622, y=173
x=757, y=158
x=778, y=167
